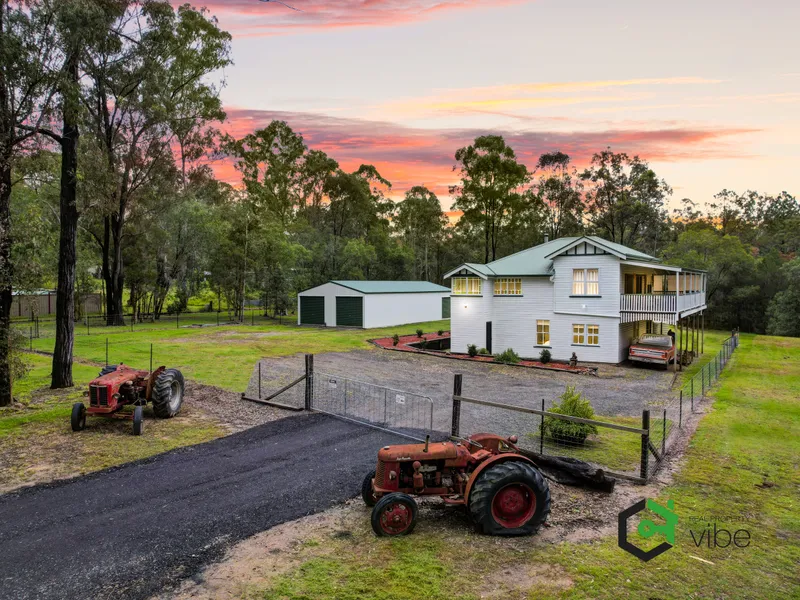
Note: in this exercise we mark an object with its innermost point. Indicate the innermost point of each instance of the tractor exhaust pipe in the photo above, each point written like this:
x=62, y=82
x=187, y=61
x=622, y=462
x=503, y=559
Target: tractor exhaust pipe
x=427, y=442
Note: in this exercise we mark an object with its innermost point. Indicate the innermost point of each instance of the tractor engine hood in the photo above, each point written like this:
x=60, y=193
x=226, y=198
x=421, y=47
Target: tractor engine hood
x=410, y=452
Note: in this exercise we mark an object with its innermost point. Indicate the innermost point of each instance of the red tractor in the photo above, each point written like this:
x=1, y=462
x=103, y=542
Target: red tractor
x=502, y=489
x=118, y=386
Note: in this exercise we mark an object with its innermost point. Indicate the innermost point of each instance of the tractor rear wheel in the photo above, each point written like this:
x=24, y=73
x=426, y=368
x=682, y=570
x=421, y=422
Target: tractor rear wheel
x=78, y=418
x=394, y=514
x=138, y=420
x=367, y=492
x=510, y=498
x=106, y=370
x=167, y=394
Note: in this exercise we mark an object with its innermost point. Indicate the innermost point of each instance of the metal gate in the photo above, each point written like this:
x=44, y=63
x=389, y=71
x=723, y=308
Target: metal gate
x=405, y=413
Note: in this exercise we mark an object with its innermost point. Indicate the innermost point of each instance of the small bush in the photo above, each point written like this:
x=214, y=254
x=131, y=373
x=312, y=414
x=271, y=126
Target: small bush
x=420, y=333
x=574, y=404
x=472, y=350
x=423, y=344
x=545, y=356
x=440, y=332
x=508, y=356
x=395, y=339
x=483, y=351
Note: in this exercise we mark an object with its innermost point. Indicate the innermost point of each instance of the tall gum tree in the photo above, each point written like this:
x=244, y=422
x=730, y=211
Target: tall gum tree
x=150, y=75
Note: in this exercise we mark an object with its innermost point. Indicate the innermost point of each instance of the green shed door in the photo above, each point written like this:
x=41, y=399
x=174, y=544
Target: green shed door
x=312, y=310
x=445, y=308
x=349, y=311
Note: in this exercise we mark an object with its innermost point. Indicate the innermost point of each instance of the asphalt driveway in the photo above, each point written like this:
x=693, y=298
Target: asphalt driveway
x=133, y=531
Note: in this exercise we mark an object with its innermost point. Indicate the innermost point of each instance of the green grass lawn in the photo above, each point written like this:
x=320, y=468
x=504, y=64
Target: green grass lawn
x=741, y=470
x=225, y=356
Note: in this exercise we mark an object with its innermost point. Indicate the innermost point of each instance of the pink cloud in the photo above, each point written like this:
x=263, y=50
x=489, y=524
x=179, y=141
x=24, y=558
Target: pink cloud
x=253, y=18
x=409, y=156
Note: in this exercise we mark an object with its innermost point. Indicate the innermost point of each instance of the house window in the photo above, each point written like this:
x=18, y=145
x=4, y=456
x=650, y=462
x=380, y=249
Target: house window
x=507, y=287
x=466, y=286
x=585, y=335
x=585, y=282
x=542, y=333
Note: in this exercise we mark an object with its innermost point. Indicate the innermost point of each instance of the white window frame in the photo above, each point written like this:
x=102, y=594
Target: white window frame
x=585, y=334
x=508, y=286
x=543, y=332
x=586, y=282
x=470, y=287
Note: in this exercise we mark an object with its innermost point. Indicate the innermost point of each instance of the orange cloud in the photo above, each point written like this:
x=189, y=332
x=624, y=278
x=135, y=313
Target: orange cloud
x=409, y=156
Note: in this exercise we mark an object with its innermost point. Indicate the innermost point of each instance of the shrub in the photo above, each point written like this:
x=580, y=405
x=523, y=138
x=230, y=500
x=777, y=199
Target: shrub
x=440, y=332
x=420, y=333
x=472, y=350
x=395, y=339
x=574, y=404
x=545, y=356
x=423, y=344
x=508, y=356
x=483, y=351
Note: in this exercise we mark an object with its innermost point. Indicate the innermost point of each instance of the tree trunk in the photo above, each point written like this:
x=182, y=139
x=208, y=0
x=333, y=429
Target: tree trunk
x=67, y=257
x=5, y=282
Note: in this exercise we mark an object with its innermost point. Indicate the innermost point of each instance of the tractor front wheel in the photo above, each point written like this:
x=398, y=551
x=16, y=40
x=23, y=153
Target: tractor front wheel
x=367, y=492
x=394, y=514
x=138, y=420
x=510, y=498
x=168, y=394
x=78, y=418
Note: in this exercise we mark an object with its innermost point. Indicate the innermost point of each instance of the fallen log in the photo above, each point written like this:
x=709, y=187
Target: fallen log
x=571, y=471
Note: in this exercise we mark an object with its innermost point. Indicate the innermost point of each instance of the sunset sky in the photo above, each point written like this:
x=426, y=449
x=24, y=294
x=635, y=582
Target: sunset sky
x=707, y=91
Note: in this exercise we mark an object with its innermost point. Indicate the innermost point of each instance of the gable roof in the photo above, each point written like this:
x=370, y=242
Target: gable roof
x=392, y=287
x=538, y=261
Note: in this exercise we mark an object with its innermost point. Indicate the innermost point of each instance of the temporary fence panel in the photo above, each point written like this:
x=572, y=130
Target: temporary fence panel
x=402, y=412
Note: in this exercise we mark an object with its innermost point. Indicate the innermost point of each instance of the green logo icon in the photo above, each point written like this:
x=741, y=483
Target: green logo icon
x=648, y=528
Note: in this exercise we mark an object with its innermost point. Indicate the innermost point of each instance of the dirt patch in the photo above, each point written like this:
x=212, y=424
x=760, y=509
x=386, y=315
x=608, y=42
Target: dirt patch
x=228, y=408
x=524, y=577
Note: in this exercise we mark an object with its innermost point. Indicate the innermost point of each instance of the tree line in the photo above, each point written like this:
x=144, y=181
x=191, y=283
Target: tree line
x=110, y=118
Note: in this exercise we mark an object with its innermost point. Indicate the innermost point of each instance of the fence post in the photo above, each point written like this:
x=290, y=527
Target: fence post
x=107, y=353
x=217, y=318
x=702, y=382
x=456, y=422
x=664, y=435
x=259, y=379
x=87, y=324
x=30, y=337
x=385, y=406
x=151, y=358
x=680, y=410
x=541, y=432
x=645, y=442
x=309, y=381
x=178, y=320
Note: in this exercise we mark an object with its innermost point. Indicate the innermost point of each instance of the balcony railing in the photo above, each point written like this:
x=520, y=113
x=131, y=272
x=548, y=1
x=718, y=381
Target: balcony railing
x=661, y=302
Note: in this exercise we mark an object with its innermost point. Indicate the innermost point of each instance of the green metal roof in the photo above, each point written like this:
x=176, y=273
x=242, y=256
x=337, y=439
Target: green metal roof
x=535, y=262
x=392, y=287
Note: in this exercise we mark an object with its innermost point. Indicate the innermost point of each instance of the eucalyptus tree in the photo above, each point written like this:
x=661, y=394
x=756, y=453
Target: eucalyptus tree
x=491, y=186
x=421, y=222
x=28, y=84
x=558, y=188
x=148, y=86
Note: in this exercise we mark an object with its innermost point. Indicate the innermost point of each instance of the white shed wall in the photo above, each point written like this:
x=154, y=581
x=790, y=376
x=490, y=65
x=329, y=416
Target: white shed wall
x=386, y=310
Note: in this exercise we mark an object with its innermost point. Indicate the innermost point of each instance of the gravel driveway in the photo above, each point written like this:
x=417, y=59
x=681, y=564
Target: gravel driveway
x=616, y=391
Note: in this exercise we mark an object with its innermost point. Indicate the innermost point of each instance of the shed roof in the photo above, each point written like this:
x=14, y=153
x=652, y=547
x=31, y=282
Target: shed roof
x=392, y=287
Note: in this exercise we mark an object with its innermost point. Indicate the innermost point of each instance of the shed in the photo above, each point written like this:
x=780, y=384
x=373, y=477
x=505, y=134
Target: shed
x=369, y=304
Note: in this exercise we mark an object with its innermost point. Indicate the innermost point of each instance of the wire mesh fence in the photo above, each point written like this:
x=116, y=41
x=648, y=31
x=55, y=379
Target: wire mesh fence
x=402, y=412
x=628, y=446
x=45, y=327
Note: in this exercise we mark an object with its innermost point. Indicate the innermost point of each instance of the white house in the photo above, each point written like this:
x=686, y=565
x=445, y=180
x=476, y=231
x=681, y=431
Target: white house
x=574, y=294
x=372, y=303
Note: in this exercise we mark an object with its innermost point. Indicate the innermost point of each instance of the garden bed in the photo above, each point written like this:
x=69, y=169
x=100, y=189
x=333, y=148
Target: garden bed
x=433, y=341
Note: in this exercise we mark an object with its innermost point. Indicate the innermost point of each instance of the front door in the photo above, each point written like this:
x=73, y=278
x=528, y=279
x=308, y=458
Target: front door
x=489, y=336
